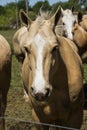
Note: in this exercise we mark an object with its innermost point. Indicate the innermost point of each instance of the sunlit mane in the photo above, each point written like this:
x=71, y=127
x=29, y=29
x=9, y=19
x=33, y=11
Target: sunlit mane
x=42, y=16
x=68, y=12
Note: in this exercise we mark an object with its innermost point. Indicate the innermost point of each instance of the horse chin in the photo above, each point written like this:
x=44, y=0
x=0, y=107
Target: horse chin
x=40, y=97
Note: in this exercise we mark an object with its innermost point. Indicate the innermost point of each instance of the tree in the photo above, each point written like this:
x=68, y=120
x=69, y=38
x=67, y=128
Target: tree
x=76, y=4
x=45, y=5
x=2, y=10
x=83, y=3
x=21, y=5
x=37, y=6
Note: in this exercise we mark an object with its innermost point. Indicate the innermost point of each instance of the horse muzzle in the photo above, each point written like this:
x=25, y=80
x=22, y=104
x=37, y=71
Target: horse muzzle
x=40, y=96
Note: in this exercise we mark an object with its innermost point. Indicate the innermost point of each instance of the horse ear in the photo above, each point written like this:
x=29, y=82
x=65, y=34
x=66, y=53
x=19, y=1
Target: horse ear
x=25, y=20
x=72, y=9
x=41, y=10
x=79, y=17
x=62, y=11
x=55, y=18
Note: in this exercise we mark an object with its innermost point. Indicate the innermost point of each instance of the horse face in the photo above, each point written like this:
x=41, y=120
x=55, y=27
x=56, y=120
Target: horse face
x=68, y=21
x=41, y=51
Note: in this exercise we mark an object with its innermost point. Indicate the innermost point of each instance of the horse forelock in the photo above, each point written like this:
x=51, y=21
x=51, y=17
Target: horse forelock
x=39, y=20
x=68, y=12
x=68, y=15
x=42, y=17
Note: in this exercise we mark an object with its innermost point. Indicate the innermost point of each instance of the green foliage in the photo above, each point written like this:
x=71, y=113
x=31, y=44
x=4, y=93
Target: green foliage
x=3, y=20
x=45, y=5
x=2, y=10
x=76, y=4
x=32, y=15
x=16, y=76
x=10, y=12
x=21, y=4
x=85, y=73
x=37, y=6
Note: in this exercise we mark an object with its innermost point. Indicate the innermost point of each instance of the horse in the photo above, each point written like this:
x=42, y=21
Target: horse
x=80, y=37
x=19, y=53
x=68, y=19
x=18, y=45
x=79, y=32
x=74, y=28
x=5, y=77
x=53, y=79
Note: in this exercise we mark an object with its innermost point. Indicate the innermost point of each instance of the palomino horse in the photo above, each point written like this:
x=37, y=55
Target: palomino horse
x=75, y=28
x=79, y=32
x=68, y=20
x=5, y=76
x=51, y=73
x=18, y=51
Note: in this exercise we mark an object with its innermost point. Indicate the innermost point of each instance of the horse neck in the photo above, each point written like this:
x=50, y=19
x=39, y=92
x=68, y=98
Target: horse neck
x=80, y=37
x=60, y=78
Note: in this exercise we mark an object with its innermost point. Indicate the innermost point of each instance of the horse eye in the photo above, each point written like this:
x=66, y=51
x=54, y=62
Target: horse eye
x=74, y=23
x=27, y=50
x=63, y=23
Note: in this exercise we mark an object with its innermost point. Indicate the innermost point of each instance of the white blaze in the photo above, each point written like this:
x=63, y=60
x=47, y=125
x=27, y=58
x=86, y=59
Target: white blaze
x=68, y=20
x=39, y=81
x=68, y=27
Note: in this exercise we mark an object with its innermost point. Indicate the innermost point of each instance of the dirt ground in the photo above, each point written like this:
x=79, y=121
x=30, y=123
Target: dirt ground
x=18, y=112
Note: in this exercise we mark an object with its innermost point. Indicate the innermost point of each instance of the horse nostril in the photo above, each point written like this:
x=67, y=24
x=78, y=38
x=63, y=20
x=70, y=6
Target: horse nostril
x=47, y=92
x=40, y=96
x=31, y=89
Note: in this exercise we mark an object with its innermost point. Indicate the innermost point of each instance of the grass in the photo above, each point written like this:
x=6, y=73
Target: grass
x=8, y=34
x=85, y=72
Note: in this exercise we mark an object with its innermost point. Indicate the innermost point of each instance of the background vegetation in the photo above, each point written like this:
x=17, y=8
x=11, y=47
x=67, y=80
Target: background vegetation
x=9, y=12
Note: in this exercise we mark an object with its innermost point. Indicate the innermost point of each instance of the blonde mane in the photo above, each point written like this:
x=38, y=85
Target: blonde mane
x=43, y=15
